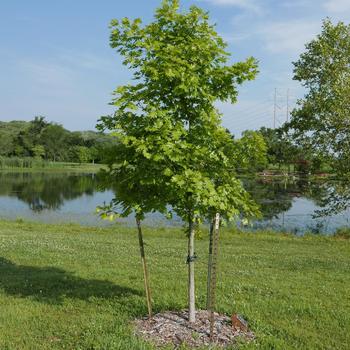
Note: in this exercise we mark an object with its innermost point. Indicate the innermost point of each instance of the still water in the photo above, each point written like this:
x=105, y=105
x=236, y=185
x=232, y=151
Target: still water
x=288, y=205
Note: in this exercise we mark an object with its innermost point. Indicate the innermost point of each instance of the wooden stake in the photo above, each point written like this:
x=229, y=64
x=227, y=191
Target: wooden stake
x=210, y=257
x=191, y=286
x=145, y=270
x=213, y=273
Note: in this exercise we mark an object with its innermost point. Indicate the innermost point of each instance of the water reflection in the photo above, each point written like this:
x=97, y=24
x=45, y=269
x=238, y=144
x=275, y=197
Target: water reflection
x=45, y=190
x=276, y=195
x=289, y=204
x=299, y=204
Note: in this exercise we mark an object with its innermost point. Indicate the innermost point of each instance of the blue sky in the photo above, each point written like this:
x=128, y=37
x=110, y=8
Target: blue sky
x=55, y=58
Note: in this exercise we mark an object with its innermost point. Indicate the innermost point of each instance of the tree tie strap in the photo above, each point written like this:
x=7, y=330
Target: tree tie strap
x=191, y=258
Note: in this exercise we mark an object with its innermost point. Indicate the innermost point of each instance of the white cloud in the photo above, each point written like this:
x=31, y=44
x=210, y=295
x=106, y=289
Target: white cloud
x=250, y=5
x=48, y=75
x=289, y=36
x=337, y=6
x=235, y=38
x=85, y=60
x=297, y=4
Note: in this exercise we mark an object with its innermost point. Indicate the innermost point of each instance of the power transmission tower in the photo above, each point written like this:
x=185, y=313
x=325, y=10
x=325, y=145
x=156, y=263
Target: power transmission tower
x=276, y=107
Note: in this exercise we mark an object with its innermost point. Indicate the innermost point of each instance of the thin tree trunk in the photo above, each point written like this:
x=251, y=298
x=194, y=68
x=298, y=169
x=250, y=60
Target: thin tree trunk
x=213, y=273
x=145, y=270
x=210, y=257
x=191, y=286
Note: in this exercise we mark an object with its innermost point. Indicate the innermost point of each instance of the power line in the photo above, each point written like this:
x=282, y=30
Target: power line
x=260, y=113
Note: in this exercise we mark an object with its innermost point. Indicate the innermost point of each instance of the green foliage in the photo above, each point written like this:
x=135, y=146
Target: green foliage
x=343, y=233
x=54, y=140
x=43, y=140
x=321, y=121
x=172, y=144
x=8, y=135
x=82, y=154
x=249, y=153
x=171, y=134
x=38, y=151
x=280, y=150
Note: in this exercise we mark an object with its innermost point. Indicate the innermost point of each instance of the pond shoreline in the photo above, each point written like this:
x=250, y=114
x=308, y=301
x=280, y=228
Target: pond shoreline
x=57, y=167
x=72, y=195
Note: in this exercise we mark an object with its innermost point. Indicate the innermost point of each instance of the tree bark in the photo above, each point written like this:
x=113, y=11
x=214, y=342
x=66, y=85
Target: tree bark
x=191, y=285
x=145, y=270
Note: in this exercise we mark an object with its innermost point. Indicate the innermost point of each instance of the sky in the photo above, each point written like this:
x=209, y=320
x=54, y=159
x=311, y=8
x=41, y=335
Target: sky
x=55, y=58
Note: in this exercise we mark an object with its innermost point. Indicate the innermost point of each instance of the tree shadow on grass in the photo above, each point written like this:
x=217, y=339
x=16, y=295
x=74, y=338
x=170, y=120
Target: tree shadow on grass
x=52, y=285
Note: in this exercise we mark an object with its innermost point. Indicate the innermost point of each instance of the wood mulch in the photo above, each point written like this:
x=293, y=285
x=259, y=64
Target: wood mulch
x=173, y=328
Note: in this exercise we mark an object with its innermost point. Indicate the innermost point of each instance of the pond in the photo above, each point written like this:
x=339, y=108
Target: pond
x=287, y=204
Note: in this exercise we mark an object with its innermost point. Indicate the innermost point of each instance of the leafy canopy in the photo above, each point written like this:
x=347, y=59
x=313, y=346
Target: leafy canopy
x=172, y=144
x=322, y=118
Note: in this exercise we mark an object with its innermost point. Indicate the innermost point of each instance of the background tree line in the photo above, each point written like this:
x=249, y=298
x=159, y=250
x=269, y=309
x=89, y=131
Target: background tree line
x=285, y=154
x=50, y=141
x=264, y=149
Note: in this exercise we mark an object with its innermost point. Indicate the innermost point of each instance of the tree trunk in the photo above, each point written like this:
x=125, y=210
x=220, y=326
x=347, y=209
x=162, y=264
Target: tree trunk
x=210, y=257
x=145, y=270
x=212, y=297
x=191, y=286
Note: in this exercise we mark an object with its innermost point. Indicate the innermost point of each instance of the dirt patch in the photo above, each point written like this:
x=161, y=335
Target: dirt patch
x=173, y=328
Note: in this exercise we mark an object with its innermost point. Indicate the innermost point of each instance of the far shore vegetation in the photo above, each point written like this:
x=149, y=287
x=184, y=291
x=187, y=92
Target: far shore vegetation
x=16, y=164
x=43, y=145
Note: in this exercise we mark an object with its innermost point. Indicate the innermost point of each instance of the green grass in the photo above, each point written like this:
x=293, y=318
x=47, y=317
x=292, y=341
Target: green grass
x=47, y=166
x=72, y=287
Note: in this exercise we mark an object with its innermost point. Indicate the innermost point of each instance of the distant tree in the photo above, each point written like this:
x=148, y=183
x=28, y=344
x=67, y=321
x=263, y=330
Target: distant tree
x=19, y=151
x=38, y=151
x=250, y=152
x=13, y=129
x=28, y=138
x=36, y=127
x=75, y=139
x=94, y=154
x=6, y=144
x=54, y=138
x=280, y=149
x=82, y=154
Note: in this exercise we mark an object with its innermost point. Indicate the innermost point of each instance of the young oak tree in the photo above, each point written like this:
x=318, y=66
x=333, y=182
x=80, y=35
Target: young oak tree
x=168, y=120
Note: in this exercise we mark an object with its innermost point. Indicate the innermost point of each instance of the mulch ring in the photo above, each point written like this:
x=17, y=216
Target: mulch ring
x=173, y=328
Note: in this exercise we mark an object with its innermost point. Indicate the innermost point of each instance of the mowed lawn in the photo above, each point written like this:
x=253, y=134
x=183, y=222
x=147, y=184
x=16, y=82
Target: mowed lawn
x=72, y=287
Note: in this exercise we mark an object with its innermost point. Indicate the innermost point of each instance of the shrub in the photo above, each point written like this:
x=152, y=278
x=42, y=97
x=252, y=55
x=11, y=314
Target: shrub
x=343, y=232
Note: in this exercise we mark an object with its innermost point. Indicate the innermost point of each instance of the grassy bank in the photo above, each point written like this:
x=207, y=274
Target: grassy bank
x=68, y=287
x=33, y=165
